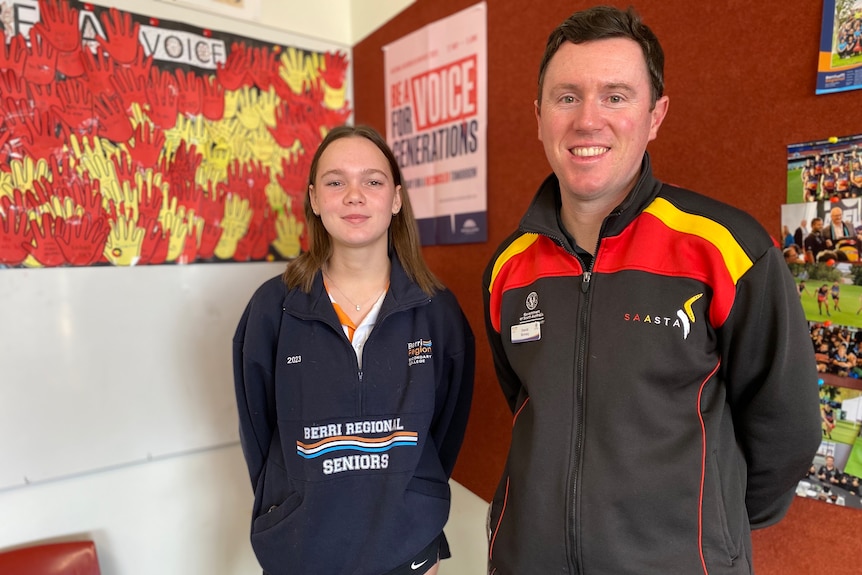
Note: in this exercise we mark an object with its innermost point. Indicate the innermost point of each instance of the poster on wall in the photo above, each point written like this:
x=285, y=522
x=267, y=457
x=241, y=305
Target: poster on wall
x=821, y=237
x=130, y=140
x=839, y=66
x=436, y=84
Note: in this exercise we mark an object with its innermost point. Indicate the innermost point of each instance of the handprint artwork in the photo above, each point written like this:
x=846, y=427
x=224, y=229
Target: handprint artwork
x=127, y=140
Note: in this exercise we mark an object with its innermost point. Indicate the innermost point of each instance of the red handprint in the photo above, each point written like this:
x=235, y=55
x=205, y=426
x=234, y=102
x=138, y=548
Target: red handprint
x=150, y=204
x=82, y=240
x=87, y=195
x=332, y=118
x=20, y=201
x=99, y=69
x=17, y=112
x=114, y=123
x=162, y=95
x=184, y=164
x=262, y=67
x=157, y=240
x=189, y=253
x=62, y=169
x=210, y=235
x=212, y=103
x=141, y=65
x=13, y=86
x=44, y=96
x=44, y=247
x=71, y=64
x=149, y=141
x=283, y=131
x=58, y=25
x=130, y=85
x=76, y=106
x=300, y=122
x=243, y=247
x=41, y=64
x=15, y=233
x=212, y=205
x=123, y=168
x=44, y=190
x=122, y=42
x=334, y=69
x=190, y=93
x=188, y=194
x=47, y=135
x=14, y=54
x=233, y=73
x=293, y=178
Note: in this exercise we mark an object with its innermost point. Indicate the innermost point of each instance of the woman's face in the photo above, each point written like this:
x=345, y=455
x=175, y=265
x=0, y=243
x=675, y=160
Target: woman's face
x=354, y=193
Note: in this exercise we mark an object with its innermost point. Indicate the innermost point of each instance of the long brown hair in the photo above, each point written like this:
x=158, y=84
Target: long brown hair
x=403, y=233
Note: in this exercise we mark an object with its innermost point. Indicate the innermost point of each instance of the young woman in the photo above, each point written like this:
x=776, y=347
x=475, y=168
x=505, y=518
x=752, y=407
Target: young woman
x=354, y=376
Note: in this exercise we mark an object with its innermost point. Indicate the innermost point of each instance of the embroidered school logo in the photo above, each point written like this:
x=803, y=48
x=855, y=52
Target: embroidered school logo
x=419, y=351
x=373, y=452
x=532, y=301
x=682, y=320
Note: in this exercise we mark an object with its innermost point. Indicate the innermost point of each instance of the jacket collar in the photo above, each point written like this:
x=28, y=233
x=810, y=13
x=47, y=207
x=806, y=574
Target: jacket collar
x=541, y=216
x=402, y=293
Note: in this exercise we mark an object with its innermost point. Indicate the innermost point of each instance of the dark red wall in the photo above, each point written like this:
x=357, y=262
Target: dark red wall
x=741, y=77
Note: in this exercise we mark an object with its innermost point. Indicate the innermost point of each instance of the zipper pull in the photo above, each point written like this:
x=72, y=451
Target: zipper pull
x=360, y=376
x=585, y=284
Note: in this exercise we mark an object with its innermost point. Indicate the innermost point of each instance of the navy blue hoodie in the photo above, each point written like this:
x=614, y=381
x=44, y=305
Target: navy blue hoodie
x=350, y=466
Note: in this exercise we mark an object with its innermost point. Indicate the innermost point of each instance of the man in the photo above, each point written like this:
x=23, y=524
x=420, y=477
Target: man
x=828, y=473
x=837, y=229
x=792, y=255
x=815, y=242
x=800, y=233
x=639, y=331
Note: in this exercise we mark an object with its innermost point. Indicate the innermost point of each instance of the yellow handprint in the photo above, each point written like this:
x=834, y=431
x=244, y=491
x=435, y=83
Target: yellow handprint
x=231, y=103
x=298, y=66
x=62, y=208
x=248, y=112
x=266, y=104
x=7, y=186
x=262, y=147
x=179, y=229
x=237, y=217
x=25, y=171
x=288, y=229
x=123, y=246
x=275, y=195
x=191, y=129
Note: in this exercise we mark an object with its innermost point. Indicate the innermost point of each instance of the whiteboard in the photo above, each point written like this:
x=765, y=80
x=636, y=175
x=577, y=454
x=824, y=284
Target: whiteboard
x=105, y=366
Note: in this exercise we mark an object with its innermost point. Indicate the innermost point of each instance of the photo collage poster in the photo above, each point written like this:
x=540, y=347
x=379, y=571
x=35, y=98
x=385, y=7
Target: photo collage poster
x=821, y=236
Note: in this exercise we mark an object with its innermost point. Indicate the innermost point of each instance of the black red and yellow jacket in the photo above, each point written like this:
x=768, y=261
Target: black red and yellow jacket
x=665, y=400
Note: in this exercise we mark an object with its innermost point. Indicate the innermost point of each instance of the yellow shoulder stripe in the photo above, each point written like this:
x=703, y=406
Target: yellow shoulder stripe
x=516, y=247
x=736, y=260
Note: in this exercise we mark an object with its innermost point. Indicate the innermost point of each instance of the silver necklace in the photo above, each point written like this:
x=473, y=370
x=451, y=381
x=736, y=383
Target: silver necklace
x=350, y=301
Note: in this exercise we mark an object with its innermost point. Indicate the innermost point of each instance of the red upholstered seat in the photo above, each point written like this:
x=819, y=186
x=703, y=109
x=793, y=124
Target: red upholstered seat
x=72, y=558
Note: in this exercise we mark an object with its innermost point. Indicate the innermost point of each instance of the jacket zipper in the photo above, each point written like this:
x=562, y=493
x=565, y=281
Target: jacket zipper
x=580, y=399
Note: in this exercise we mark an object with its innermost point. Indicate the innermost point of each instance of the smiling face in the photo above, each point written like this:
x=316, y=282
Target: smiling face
x=595, y=119
x=354, y=193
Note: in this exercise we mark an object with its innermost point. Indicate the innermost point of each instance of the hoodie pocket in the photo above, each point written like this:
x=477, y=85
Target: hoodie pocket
x=276, y=513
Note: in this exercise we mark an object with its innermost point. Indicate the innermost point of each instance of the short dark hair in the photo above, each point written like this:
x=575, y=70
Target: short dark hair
x=602, y=22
